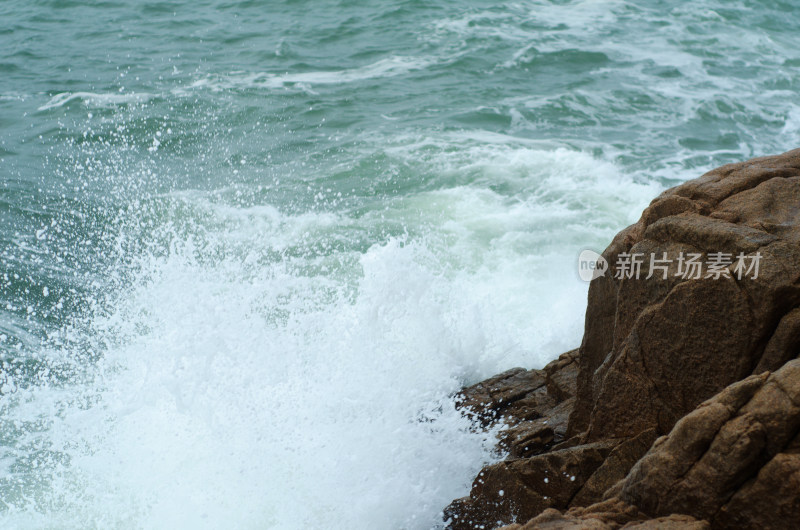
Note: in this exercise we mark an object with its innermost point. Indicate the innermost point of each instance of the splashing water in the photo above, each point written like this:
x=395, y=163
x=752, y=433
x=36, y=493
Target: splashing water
x=250, y=250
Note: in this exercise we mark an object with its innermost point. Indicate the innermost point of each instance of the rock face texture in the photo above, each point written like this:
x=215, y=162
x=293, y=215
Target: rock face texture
x=681, y=409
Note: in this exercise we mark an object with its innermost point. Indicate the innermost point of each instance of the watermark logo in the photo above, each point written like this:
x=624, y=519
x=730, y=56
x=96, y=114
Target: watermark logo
x=688, y=266
x=591, y=265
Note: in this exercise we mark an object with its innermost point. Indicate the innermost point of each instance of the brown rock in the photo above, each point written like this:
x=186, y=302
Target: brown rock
x=520, y=395
x=770, y=500
x=610, y=515
x=672, y=457
x=671, y=522
x=670, y=356
x=720, y=460
x=654, y=349
x=614, y=469
x=528, y=439
x=520, y=489
x=783, y=345
x=534, y=406
x=489, y=400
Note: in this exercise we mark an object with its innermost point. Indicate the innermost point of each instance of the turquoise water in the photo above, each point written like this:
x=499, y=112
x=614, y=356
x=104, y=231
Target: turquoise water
x=249, y=249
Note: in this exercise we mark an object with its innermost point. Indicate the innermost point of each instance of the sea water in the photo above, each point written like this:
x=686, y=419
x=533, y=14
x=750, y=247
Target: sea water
x=250, y=249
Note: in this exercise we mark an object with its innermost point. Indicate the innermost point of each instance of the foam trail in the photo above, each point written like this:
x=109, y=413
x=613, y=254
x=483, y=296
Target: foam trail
x=91, y=99
x=389, y=67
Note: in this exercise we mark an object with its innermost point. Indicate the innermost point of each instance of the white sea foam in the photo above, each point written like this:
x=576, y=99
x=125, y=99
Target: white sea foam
x=11, y=96
x=791, y=127
x=242, y=390
x=90, y=99
x=586, y=16
x=389, y=67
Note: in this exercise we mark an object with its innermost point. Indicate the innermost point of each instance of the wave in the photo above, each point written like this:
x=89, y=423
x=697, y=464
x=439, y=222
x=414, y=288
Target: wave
x=389, y=67
x=91, y=99
x=291, y=370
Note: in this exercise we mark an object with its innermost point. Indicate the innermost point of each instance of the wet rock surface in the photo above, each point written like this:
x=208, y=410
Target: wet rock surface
x=681, y=409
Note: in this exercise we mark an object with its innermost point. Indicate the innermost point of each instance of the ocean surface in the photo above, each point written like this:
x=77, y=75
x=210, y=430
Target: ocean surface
x=249, y=249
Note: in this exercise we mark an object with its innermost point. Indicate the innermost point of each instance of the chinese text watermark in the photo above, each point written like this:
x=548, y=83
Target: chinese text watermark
x=688, y=266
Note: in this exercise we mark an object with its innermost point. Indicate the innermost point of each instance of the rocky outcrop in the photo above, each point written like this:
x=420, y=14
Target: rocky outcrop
x=608, y=515
x=534, y=406
x=725, y=461
x=683, y=398
x=654, y=349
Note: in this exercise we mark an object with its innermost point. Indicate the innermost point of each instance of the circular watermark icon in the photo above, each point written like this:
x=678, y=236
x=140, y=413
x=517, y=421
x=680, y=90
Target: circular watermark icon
x=591, y=265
